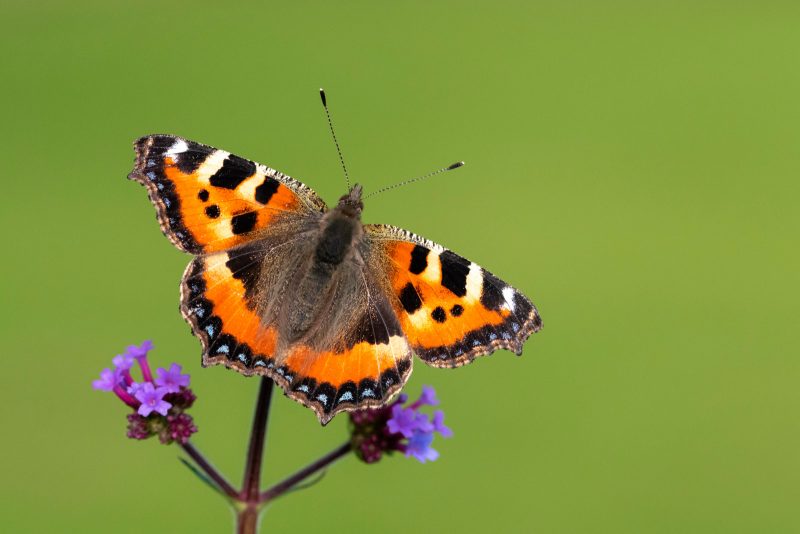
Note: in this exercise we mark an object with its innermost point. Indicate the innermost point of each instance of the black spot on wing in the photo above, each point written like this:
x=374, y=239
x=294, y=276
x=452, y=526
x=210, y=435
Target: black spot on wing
x=158, y=143
x=439, y=315
x=376, y=325
x=457, y=310
x=212, y=211
x=203, y=195
x=212, y=327
x=492, y=291
x=234, y=170
x=347, y=393
x=224, y=345
x=523, y=308
x=403, y=365
x=267, y=188
x=419, y=259
x=368, y=389
x=537, y=321
x=325, y=394
x=261, y=361
x=244, y=222
x=193, y=157
x=389, y=378
x=410, y=299
x=454, y=272
x=245, y=265
x=242, y=354
x=306, y=385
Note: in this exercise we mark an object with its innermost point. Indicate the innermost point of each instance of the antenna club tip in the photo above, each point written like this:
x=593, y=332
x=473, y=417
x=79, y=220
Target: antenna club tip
x=322, y=96
x=455, y=165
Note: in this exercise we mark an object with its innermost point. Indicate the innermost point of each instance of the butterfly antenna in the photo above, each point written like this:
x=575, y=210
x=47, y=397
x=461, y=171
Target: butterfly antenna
x=417, y=179
x=333, y=134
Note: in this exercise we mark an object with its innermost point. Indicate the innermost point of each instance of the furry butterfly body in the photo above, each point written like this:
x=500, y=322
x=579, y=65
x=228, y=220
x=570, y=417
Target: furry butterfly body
x=328, y=307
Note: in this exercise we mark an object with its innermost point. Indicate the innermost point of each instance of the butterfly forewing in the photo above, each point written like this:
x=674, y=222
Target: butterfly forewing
x=450, y=309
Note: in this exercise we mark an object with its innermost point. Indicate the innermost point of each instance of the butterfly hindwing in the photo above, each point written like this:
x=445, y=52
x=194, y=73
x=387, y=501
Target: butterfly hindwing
x=209, y=200
x=357, y=357
x=233, y=300
x=451, y=310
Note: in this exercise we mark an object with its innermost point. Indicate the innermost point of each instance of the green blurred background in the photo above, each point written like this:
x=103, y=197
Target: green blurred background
x=631, y=166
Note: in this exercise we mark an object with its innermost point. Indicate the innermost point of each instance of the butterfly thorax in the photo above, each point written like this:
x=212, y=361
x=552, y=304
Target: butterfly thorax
x=334, y=254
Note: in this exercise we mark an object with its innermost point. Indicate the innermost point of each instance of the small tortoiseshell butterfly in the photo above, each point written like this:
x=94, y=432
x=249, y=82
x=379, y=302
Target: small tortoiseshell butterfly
x=329, y=308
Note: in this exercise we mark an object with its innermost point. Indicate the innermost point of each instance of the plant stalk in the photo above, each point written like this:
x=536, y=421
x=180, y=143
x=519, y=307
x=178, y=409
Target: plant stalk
x=247, y=519
x=209, y=470
x=288, y=483
x=255, y=450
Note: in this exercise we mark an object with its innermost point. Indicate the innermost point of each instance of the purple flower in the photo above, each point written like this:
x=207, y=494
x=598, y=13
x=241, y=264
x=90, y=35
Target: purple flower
x=427, y=397
x=152, y=400
x=139, y=352
x=108, y=380
x=419, y=446
x=439, y=426
x=123, y=362
x=159, y=405
x=398, y=428
x=403, y=421
x=406, y=421
x=171, y=380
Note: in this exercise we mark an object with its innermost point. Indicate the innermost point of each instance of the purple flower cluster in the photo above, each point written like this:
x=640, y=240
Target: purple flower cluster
x=159, y=403
x=398, y=428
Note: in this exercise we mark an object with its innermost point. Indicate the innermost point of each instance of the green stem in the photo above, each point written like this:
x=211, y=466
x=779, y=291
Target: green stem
x=247, y=519
x=255, y=450
x=209, y=470
x=288, y=483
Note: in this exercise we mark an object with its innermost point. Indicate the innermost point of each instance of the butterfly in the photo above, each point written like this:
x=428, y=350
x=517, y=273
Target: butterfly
x=328, y=307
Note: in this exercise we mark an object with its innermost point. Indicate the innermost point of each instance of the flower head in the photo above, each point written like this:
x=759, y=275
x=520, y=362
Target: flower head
x=108, y=380
x=134, y=387
x=398, y=428
x=172, y=381
x=427, y=397
x=403, y=421
x=140, y=351
x=438, y=424
x=160, y=404
x=179, y=428
x=123, y=362
x=138, y=428
x=152, y=400
x=419, y=446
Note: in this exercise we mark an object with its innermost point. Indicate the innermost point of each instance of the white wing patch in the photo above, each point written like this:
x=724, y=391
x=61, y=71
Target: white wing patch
x=508, y=296
x=179, y=147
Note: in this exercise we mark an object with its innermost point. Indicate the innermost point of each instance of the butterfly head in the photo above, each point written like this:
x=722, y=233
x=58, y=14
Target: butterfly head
x=351, y=204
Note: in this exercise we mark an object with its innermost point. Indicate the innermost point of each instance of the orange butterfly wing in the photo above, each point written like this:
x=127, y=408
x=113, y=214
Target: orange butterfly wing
x=450, y=309
x=365, y=369
x=209, y=200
